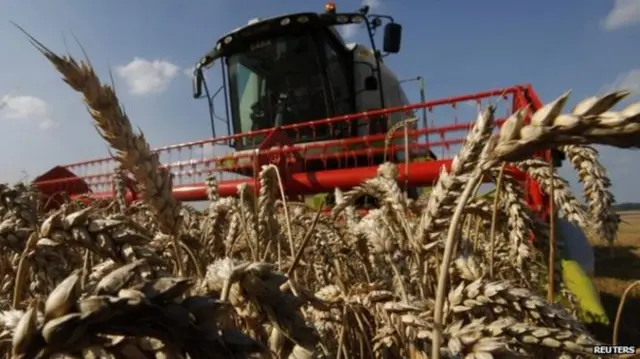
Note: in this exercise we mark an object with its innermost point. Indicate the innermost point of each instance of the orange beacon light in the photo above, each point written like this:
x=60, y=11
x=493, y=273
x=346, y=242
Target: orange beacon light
x=330, y=7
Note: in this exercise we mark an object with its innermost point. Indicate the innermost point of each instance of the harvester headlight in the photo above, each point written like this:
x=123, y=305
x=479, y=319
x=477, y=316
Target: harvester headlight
x=342, y=19
x=303, y=19
x=227, y=40
x=218, y=45
x=286, y=21
x=357, y=19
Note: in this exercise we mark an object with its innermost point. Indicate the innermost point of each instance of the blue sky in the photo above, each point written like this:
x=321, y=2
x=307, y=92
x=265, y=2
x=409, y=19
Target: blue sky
x=458, y=46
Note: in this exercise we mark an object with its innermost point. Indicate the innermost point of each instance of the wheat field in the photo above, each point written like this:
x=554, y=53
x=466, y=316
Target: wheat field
x=450, y=275
x=616, y=270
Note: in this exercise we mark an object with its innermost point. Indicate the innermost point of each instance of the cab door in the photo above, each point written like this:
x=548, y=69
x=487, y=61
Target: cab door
x=337, y=64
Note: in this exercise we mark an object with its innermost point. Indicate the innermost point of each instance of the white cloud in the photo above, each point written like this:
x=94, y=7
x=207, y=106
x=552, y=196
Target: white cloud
x=189, y=71
x=624, y=13
x=628, y=81
x=349, y=31
x=27, y=108
x=146, y=77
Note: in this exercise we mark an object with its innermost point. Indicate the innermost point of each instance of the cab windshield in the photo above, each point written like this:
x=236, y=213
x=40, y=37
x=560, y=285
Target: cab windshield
x=277, y=82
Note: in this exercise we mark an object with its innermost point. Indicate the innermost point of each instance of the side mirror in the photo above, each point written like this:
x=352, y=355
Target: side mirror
x=392, y=38
x=197, y=80
x=370, y=83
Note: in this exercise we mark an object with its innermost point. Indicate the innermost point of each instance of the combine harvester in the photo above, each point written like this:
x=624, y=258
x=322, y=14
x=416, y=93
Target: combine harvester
x=298, y=97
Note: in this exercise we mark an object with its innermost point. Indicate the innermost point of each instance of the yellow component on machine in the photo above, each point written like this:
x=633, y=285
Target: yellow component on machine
x=581, y=285
x=315, y=201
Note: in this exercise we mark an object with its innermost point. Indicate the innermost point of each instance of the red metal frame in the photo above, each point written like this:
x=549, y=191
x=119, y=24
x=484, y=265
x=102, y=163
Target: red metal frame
x=308, y=168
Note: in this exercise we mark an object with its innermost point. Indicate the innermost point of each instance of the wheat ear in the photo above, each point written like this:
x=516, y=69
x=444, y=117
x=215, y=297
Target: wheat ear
x=591, y=122
x=132, y=150
x=596, y=186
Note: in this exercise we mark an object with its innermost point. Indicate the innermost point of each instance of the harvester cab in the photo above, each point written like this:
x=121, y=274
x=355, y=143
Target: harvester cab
x=296, y=68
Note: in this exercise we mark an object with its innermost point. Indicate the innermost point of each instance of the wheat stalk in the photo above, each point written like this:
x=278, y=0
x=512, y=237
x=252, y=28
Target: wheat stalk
x=132, y=150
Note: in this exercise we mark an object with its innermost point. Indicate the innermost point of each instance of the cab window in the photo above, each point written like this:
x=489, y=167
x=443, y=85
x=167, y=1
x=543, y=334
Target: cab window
x=339, y=81
x=277, y=84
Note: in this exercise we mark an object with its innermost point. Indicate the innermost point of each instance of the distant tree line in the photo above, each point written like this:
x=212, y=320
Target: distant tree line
x=627, y=206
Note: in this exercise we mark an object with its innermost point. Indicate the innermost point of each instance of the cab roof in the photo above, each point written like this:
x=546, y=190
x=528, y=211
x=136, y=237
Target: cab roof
x=252, y=31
